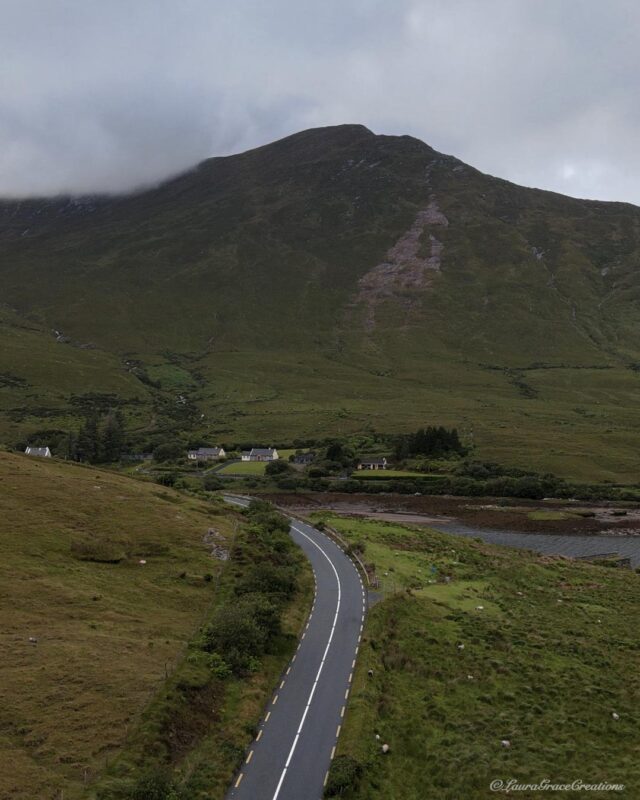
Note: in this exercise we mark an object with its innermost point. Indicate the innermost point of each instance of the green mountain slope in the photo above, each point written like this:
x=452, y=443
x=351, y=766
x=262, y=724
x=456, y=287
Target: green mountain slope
x=331, y=282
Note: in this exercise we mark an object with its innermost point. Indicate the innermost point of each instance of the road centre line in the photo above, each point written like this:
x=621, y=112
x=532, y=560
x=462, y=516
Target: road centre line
x=320, y=668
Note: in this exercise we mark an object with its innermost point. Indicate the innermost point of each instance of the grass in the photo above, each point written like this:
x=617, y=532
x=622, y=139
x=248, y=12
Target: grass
x=285, y=452
x=532, y=358
x=244, y=468
x=542, y=514
x=548, y=657
x=106, y=631
x=198, y=726
x=383, y=474
x=112, y=633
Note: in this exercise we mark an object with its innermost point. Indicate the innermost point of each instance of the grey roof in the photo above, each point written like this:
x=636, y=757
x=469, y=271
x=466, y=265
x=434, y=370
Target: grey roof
x=304, y=456
x=261, y=451
x=373, y=460
x=207, y=451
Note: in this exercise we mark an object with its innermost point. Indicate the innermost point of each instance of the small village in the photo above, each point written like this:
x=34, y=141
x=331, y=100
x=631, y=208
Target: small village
x=203, y=455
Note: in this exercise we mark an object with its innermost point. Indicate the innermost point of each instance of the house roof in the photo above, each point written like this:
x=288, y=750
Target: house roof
x=373, y=460
x=304, y=456
x=262, y=451
x=207, y=451
x=37, y=451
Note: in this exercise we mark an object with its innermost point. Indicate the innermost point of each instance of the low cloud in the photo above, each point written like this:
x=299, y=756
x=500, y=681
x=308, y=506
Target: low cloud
x=101, y=96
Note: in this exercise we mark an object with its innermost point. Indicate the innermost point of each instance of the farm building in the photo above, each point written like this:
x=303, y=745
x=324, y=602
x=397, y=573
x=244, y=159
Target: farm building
x=373, y=463
x=206, y=454
x=41, y=452
x=260, y=454
x=304, y=458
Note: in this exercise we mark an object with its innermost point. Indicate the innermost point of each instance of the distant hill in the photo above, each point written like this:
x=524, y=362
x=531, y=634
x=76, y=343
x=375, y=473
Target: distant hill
x=331, y=282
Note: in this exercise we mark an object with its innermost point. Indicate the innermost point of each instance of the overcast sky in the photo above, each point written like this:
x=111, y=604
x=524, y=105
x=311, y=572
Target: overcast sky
x=106, y=95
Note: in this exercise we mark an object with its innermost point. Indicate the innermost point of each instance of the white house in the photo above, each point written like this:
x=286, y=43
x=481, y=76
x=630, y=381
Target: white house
x=206, y=454
x=373, y=463
x=41, y=452
x=260, y=454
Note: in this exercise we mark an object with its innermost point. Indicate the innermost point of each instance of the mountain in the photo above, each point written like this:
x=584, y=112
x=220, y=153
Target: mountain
x=331, y=282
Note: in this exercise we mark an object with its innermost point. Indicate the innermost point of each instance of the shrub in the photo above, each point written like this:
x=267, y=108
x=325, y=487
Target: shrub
x=167, y=479
x=268, y=578
x=235, y=632
x=101, y=551
x=155, y=785
x=211, y=483
x=276, y=468
x=218, y=666
x=344, y=775
x=288, y=484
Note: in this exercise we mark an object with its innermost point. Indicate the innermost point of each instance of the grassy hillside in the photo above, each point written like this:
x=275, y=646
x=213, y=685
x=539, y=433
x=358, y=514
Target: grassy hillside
x=536, y=651
x=332, y=282
x=106, y=631
x=107, y=685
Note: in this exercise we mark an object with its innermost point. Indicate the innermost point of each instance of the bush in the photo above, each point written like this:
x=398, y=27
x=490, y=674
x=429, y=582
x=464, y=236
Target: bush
x=211, y=483
x=218, y=666
x=266, y=612
x=101, y=551
x=276, y=468
x=344, y=775
x=288, y=484
x=155, y=785
x=235, y=633
x=167, y=479
x=269, y=578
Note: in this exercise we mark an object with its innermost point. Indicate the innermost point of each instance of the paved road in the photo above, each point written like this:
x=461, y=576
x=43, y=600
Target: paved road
x=292, y=752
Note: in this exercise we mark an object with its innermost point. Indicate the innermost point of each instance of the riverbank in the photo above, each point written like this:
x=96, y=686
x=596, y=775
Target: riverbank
x=526, y=516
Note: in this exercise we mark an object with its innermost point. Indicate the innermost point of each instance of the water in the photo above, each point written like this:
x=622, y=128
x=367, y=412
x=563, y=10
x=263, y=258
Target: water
x=551, y=544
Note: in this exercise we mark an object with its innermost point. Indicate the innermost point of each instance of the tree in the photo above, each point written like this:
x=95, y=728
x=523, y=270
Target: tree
x=334, y=452
x=112, y=439
x=88, y=444
x=169, y=451
x=276, y=468
x=70, y=446
x=430, y=441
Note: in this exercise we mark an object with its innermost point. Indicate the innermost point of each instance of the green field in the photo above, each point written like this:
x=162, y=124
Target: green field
x=542, y=514
x=381, y=474
x=549, y=648
x=244, y=468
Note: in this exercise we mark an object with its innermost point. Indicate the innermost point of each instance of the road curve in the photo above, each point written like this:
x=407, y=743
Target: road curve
x=291, y=754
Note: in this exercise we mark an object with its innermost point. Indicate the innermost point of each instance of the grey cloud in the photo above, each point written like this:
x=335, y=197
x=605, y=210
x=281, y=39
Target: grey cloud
x=99, y=96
